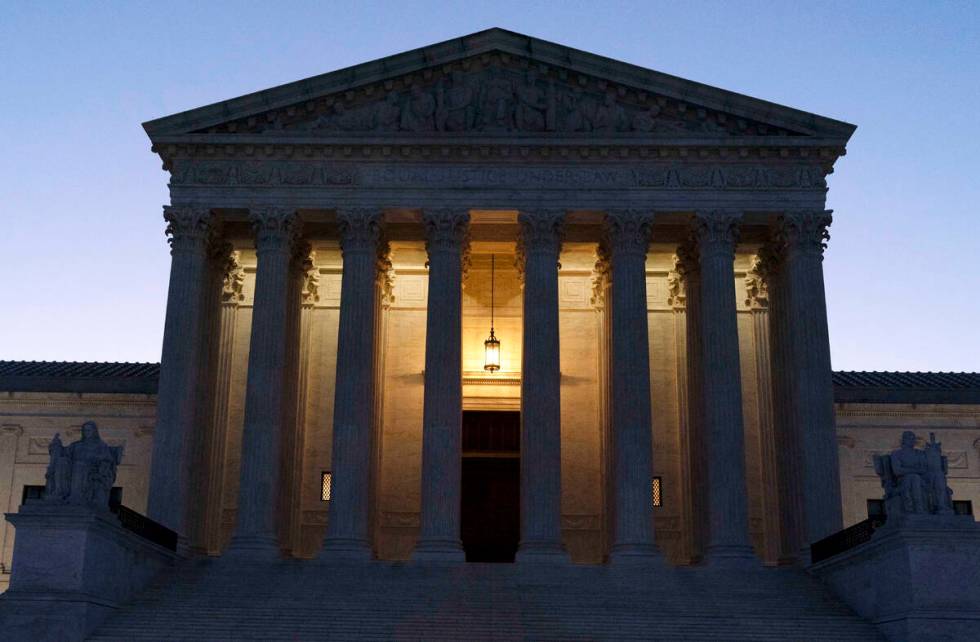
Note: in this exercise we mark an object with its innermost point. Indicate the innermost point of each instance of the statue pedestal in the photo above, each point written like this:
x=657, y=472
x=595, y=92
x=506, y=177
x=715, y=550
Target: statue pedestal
x=918, y=578
x=72, y=567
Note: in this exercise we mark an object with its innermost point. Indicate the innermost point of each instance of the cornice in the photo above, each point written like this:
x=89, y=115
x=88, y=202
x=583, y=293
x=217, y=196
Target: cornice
x=481, y=149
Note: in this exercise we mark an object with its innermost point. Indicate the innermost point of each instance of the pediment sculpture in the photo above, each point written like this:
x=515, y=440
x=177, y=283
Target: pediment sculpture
x=499, y=100
x=82, y=473
x=914, y=479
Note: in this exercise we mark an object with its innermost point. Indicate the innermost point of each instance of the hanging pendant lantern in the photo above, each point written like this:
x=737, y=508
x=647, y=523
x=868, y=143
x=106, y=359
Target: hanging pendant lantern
x=491, y=347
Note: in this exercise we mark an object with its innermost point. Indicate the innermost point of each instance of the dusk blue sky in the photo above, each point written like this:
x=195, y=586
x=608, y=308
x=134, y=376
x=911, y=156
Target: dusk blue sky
x=84, y=262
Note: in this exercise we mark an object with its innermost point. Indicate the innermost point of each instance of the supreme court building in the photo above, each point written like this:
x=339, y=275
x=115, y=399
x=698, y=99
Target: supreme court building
x=650, y=249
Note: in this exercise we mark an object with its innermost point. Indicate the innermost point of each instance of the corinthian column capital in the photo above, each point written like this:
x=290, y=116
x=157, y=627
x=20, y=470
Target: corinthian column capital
x=360, y=229
x=541, y=229
x=803, y=231
x=446, y=229
x=188, y=225
x=756, y=288
x=715, y=232
x=275, y=227
x=233, y=280
x=627, y=231
x=676, y=290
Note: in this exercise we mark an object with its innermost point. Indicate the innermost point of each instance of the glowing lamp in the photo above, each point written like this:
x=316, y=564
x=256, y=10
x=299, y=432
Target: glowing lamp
x=491, y=347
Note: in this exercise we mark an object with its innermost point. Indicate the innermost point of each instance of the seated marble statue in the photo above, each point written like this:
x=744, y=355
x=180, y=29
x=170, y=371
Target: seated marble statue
x=914, y=479
x=82, y=473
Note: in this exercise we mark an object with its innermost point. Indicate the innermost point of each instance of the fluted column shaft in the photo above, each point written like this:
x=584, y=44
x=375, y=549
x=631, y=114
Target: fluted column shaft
x=801, y=237
x=182, y=366
x=713, y=237
x=627, y=237
x=541, y=390
x=792, y=538
x=758, y=301
x=347, y=530
x=443, y=399
x=690, y=267
x=266, y=395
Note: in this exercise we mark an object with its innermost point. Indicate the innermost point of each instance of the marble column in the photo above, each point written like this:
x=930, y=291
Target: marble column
x=446, y=231
x=266, y=396
x=713, y=237
x=309, y=295
x=232, y=275
x=679, y=280
x=801, y=236
x=353, y=418
x=757, y=300
x=789, y=455
x=182, y=366
x=627, y=237
x=540, y=245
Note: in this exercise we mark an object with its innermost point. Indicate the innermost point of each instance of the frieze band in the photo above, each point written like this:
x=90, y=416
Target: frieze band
x=727, y=176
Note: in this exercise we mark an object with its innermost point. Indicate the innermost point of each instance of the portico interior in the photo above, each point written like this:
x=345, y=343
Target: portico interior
x=400, y=340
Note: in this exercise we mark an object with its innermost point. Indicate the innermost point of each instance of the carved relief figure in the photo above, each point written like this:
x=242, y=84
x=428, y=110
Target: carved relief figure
x=503, y=100
x=456, y=105
x=610, y=117
x=419, y=114
x=497, y=103
x=388, y=116
x=574, y=117
x=532, y=105
x=652, y=121
x=234, y=280
x=83, y=473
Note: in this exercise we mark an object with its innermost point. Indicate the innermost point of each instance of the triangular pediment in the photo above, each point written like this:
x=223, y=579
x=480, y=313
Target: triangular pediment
x=496, y=84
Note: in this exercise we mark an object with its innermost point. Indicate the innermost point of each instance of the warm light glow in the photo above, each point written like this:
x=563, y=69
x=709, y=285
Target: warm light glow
x=326, y=483
x=491, y=347
x=656, y=493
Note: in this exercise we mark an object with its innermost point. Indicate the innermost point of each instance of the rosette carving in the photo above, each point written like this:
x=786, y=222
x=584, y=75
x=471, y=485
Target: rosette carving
x=446, y=229
x=360, y=229
x=627, y=231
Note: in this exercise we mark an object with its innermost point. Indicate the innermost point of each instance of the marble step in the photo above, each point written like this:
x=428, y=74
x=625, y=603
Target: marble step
x=208, y=600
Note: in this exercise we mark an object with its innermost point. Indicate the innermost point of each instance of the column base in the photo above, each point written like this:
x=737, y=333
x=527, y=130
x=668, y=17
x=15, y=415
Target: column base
x=740, y=557
x=258, y=548
x=542, y=553
x=345, y=550
x=635, y=555
x=439, y=551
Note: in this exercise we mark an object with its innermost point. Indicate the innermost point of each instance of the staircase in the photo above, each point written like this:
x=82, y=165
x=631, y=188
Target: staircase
x=216, y=599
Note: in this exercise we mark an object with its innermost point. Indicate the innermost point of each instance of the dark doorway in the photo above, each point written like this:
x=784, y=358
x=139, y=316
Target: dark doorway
x=490, y=513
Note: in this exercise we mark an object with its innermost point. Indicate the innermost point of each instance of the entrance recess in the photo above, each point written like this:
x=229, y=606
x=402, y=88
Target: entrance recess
x=490, y=512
